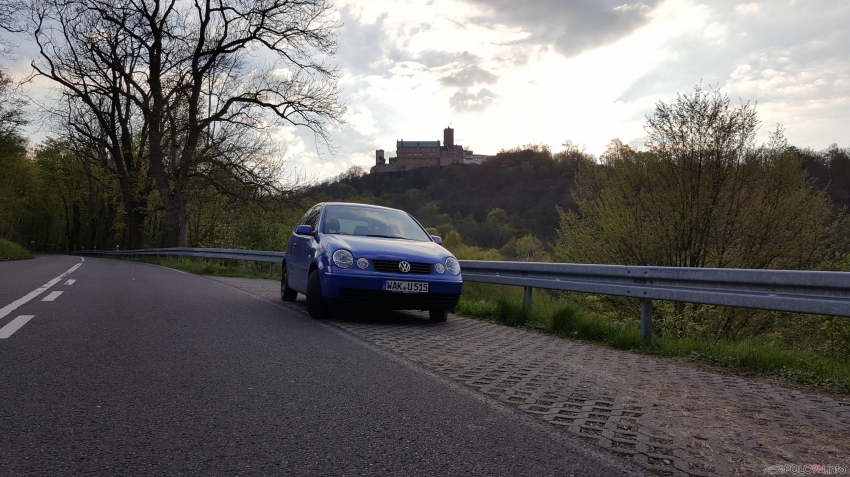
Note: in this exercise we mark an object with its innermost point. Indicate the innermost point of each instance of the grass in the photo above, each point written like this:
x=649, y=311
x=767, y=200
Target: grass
x=12, y=251
x=230, y=268
x=502, y=304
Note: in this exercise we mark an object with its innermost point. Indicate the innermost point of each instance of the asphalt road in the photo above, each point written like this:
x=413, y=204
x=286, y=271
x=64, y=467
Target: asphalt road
x=140, y=370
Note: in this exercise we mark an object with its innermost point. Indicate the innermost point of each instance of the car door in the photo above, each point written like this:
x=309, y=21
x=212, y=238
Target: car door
x=299, y=251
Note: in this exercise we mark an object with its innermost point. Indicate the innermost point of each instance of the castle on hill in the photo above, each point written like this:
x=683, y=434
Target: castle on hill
x=416, y=154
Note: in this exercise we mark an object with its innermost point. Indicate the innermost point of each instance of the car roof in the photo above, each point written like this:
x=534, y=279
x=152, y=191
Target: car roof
x=357, y=204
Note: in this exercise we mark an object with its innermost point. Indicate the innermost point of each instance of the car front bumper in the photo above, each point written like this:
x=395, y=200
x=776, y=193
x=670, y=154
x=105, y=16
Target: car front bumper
x=356, y=288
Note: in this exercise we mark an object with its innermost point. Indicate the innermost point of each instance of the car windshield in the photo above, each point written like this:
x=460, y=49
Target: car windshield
x=372, y=222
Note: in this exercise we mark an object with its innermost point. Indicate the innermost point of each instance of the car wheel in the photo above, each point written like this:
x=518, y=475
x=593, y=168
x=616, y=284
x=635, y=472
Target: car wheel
x=316, y=305
x=286, y=293
x=439, y=316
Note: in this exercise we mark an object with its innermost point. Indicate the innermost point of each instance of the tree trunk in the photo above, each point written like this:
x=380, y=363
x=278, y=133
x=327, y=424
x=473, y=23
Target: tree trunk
x=171, y=224
x=184, y=227
x=135, y=221
x=76, y=238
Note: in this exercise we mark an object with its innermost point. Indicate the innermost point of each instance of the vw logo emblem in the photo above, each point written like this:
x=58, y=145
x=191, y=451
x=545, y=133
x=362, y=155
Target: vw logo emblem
x=404, y=266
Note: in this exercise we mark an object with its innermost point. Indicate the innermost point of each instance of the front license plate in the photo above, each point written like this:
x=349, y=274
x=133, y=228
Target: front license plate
x=406, y=287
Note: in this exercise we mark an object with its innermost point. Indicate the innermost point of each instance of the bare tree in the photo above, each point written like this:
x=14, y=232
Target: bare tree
x=11, y=115
x=247, y=64
x=90, y=60
x=10, y=16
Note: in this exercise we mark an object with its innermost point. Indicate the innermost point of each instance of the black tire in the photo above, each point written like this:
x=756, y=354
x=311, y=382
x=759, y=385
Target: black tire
x=316, y=305
x=286, y=293
x=438, y=316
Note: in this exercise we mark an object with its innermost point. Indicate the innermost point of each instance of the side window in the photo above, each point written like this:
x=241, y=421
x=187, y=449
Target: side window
x=304, y=217
x=312, y=218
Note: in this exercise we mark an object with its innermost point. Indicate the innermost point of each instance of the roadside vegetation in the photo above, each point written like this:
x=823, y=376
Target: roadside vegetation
x=218, y=268
x=12, y=251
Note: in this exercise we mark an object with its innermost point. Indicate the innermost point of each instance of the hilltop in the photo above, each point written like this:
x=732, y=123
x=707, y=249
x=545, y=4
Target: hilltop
x=511, y=195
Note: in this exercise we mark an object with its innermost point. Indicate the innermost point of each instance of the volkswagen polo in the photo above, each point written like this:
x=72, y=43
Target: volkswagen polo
x=344, y=255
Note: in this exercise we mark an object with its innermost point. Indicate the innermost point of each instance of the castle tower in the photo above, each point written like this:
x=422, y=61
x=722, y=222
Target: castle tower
x=379, y=157
x=448, y=137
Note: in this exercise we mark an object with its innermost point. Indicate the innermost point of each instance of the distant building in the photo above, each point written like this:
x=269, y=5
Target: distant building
x=416, y=154
x=475, y=158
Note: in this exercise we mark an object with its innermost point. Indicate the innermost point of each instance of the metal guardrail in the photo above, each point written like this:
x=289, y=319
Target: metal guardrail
x=822, y=293
x=217, y=253
x=813, y=292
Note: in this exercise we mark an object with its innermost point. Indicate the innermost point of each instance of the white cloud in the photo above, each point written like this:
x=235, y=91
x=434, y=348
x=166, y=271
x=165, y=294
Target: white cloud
x=360, y=119
x=716, y=32
x=512, y=72
x=747, y=8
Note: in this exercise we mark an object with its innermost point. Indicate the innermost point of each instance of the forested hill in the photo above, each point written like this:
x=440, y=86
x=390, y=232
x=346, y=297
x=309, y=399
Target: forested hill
x=517, y=193
x=527, y=184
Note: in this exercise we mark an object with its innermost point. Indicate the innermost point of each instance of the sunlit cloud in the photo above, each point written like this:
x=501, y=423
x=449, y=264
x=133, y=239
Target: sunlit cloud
x=510, y=72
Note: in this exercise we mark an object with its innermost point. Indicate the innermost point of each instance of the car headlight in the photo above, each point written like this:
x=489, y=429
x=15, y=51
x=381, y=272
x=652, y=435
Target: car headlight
x=362, y=263
x=453, y=266
x=439, y=268
x=343, y=258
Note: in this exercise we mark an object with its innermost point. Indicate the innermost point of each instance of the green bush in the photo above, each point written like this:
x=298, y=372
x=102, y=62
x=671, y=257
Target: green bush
x=511, y=313
x=12, y=251
x=572, y=320
x=476, y=308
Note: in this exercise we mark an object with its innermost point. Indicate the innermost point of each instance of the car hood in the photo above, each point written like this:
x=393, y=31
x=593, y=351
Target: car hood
x=387, y=249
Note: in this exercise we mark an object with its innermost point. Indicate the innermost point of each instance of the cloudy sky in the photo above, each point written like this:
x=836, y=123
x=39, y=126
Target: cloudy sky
x=510, y=72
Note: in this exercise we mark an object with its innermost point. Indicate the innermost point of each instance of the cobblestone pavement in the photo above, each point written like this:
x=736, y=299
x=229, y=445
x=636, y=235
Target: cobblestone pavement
x=669, y=417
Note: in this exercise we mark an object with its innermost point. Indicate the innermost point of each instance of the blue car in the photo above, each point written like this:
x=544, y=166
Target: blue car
x=345, y=255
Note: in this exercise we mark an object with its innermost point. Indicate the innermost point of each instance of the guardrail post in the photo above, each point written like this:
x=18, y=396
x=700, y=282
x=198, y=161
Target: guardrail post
x=244, y=264
x=526, y=299
x=271, y=268
x=646, y=319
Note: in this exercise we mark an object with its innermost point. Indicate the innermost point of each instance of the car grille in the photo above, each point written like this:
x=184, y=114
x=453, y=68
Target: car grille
x=378, y=297
x=391, y=266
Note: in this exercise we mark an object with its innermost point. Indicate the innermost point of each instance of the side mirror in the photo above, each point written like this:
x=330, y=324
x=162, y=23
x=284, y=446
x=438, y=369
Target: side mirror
x=437, y=239
x=303, y=230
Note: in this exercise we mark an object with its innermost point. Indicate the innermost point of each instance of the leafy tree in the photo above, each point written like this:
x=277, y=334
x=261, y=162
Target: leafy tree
x=442, y=230
x=453, y=242
x=346, y=191
x=497, y=217
x=530, y=249
x=18, y=181
x=831, y=170
x=84, y=199
x=702, y=195
x=527, y=248
x=429, y=214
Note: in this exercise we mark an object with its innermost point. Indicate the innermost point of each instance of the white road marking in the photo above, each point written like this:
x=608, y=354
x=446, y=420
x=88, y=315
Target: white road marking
x=38, y=291
x=14, y=326
x=52, y=296
x=70, y=282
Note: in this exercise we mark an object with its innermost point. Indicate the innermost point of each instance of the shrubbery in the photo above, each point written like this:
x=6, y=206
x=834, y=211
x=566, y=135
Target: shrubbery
x=12, y=251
